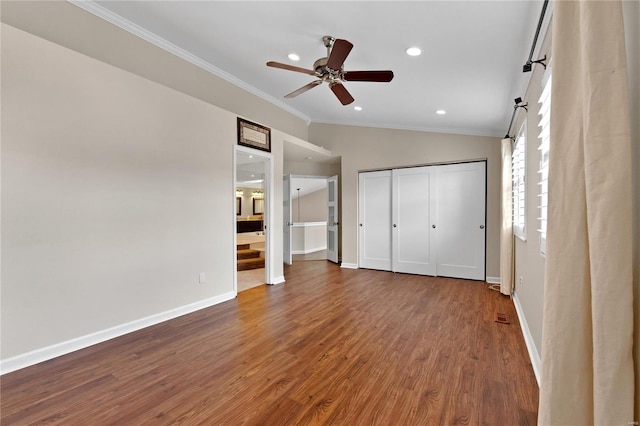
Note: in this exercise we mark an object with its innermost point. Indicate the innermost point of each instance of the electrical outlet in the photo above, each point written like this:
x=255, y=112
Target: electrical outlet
x=202, y=278
x=521, y=282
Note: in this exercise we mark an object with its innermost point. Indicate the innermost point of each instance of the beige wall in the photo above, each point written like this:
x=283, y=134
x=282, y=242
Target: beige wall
x=116, y=194
x=68, y=25
x=313, y=207
x=631, y=10
x=311, y=169
x=362, y=148
x=111, y=196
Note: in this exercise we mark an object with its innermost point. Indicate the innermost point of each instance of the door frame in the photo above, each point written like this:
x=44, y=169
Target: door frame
x=268, y=220
x=316, y=177
x=287, y=223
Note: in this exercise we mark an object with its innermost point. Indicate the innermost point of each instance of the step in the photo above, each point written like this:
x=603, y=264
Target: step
x=247, y=264
x=243, y=246
x=247, y=254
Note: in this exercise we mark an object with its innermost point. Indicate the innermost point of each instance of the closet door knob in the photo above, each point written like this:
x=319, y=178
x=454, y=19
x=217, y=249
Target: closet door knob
x=481, y=226
x=394, y=225
x=433, y=226
x=360, y=225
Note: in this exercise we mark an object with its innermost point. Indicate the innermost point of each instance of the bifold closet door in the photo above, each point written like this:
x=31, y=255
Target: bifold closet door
x=374, y=232
x=460, y=221
x=413, y=214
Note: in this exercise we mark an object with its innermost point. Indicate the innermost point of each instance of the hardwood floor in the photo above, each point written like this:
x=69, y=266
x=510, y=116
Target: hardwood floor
x=330, y=346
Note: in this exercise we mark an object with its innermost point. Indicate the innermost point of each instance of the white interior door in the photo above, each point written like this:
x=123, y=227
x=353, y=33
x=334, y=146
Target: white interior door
x=461, y=220
x=374, y=227
x=286, y=218
x=332, y=219
x=414, y=200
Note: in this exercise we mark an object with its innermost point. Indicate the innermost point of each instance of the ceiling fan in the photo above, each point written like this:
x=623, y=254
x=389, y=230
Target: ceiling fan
x=330, y=70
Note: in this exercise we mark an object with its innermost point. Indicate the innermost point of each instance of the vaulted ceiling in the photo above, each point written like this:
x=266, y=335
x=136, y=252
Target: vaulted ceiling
x=471, y=62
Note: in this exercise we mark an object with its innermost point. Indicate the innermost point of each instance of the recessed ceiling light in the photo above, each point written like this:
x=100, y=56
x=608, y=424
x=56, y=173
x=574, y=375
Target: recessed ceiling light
x=251, y=156
x=441, y=112
x=413, y=51
x=357, y=108
x=294, y=57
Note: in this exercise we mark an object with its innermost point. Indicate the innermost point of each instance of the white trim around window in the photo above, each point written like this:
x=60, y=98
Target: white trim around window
x=519, y=176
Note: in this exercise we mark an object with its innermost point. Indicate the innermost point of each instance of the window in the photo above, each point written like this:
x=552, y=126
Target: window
x=545, y=136
x=518, y=161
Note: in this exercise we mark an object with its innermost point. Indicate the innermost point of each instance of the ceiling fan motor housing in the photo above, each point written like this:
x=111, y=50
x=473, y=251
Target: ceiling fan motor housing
x=319, y=66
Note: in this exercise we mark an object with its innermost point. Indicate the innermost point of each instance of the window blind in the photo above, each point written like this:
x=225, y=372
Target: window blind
x=543, y=172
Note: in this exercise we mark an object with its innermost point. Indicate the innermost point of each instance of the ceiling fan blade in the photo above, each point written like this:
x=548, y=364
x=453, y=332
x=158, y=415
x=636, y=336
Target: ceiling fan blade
x=290, y=67
x=376, y=76
x=304, y=89
x=341, y=93
x=339, y=53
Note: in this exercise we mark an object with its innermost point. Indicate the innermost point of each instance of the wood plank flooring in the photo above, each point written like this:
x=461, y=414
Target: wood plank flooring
x=330, y=346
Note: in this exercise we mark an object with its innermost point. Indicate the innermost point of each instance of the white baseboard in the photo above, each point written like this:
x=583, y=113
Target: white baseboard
x=534, y=355
x=44, y=354
x=307, y=251
x=493, y=280
x=349, y=265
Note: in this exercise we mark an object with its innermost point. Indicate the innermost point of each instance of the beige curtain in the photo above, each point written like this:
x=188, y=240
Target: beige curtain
x=507, y=259
x=587, y=367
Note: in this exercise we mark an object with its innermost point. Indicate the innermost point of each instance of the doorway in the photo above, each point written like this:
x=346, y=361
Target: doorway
x=251, y=237
x=310, y=211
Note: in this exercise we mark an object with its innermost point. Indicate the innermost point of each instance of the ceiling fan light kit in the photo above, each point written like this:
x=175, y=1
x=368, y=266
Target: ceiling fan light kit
x=330, y=69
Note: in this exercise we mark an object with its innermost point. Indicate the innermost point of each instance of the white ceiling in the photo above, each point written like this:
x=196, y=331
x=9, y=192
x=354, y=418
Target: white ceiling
x=471, y=66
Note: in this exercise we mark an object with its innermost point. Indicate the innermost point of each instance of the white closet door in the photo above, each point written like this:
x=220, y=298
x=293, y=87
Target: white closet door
x=414, y=245
x=461, y=220
x=374, y=227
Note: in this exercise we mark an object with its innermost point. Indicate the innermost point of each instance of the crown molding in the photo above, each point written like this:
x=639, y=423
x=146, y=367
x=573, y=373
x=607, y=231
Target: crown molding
x=117, y=20
x=465, y=132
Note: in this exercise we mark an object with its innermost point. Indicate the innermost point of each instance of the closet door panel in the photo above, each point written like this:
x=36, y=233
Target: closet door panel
x=374, y=228
x=461, y=220
x=413, y=201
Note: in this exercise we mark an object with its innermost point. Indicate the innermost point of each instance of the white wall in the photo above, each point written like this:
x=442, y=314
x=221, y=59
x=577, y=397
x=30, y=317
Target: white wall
x=363, y=148
x=308, y=237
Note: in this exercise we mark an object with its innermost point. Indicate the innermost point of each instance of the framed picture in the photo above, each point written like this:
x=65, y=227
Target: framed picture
x=254, y=135
x=238, y=206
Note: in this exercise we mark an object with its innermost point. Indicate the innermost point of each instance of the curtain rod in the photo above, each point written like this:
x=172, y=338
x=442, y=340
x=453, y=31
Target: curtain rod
x=518, y=104
x=527, y=67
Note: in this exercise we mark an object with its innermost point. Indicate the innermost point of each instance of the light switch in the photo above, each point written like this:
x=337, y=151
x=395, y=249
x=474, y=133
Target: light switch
x=202, y=277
